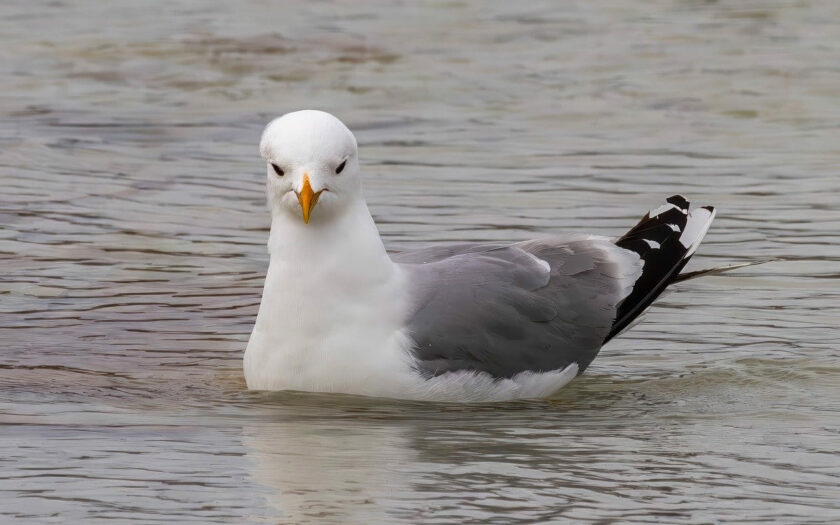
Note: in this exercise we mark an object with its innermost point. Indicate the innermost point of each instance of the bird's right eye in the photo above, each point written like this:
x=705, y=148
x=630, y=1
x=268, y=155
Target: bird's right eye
x=277, y=170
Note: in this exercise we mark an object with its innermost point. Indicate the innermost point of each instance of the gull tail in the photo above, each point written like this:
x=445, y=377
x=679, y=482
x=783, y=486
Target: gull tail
x=665, y=239
x=716, y=270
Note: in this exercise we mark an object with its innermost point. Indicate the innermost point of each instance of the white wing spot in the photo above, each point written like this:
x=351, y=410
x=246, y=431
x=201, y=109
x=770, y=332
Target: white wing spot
x=662, y=209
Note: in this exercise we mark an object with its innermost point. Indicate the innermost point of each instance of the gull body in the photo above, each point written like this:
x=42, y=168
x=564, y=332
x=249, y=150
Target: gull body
x=463, y=323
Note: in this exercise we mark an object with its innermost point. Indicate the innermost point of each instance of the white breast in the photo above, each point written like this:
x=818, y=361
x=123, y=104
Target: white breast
x=331, y=314
x=313, y=336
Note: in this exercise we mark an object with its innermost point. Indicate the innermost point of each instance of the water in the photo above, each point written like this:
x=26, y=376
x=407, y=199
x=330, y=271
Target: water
x=133, y=238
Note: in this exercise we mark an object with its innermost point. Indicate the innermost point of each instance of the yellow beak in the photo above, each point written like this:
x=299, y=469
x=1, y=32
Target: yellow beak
x=307, y=198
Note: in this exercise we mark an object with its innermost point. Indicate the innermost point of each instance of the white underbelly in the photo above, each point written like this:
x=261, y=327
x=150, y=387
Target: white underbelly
x=384, y=370
x=343, y=361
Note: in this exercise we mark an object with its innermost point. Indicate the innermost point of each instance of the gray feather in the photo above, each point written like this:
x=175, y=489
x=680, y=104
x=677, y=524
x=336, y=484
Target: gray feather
x=502, y=310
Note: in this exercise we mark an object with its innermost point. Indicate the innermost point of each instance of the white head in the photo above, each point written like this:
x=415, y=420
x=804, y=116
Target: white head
x=312, y=158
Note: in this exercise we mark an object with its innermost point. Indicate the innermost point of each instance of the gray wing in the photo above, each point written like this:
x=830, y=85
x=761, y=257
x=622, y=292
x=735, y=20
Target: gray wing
x=504, y=309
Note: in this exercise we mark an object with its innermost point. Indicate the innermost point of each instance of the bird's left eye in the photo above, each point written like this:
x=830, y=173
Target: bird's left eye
x=340, y=167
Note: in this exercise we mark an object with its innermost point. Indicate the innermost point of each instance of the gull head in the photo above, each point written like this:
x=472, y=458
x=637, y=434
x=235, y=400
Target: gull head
x=312, y=165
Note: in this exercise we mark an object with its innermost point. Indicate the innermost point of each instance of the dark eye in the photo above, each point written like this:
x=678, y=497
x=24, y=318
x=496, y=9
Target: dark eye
x=340, y=167
x=277, y=170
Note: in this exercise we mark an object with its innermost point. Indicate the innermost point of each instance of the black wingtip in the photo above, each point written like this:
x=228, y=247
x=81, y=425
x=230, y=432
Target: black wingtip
x=679, y=201
x=657, y=241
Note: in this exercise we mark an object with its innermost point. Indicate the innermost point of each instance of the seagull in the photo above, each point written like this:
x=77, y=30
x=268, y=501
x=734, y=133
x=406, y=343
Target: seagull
x=468, y=322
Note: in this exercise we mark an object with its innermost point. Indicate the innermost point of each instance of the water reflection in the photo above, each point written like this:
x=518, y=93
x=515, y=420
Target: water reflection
x=324, y=463
x=606, y=446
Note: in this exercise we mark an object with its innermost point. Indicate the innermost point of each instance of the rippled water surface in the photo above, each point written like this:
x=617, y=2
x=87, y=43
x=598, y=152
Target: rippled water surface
x=133, y=235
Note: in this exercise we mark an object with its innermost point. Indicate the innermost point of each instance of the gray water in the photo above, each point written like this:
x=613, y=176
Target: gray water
x=132, y=253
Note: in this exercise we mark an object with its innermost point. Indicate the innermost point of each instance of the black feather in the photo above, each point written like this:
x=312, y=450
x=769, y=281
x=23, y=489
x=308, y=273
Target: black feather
x=662, y=263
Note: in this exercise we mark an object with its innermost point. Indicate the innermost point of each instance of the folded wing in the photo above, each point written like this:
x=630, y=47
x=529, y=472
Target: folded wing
x=505, y=309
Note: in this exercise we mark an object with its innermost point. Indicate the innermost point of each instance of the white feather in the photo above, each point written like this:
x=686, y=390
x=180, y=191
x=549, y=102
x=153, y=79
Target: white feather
x=662, y=209
x=696, y=227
